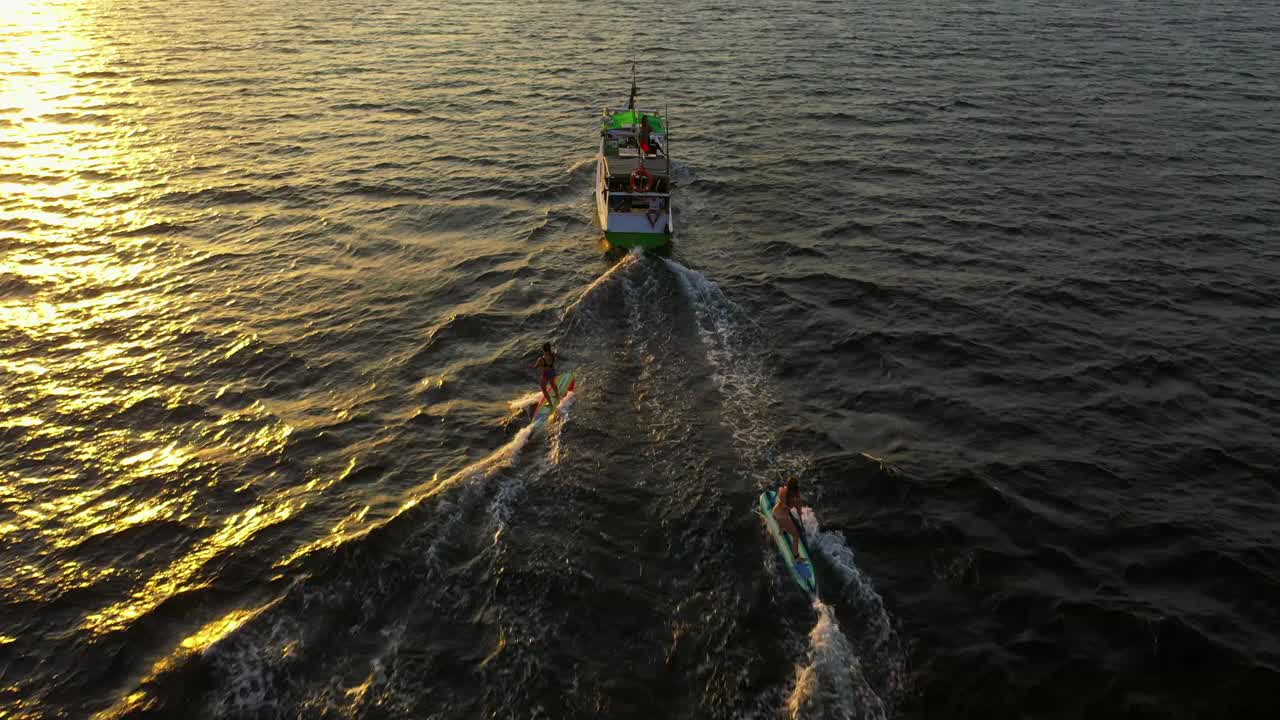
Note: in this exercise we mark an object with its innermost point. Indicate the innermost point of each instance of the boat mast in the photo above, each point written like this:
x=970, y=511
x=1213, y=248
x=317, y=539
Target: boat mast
x=635, y=125
x=631, y=102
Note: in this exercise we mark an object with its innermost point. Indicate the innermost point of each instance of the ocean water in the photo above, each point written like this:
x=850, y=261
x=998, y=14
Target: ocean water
x=999, y=282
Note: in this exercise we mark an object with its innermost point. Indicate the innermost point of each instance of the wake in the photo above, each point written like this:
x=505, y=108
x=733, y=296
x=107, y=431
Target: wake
x=880, y=676
x=838, y=677
x=831, y=683
x=366, y=585
x=842, y=677
x=259, y=666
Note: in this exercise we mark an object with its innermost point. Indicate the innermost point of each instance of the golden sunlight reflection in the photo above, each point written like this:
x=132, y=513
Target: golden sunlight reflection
x=43, y=98
x=94, y=332
x=181, y=575
x=218, y=629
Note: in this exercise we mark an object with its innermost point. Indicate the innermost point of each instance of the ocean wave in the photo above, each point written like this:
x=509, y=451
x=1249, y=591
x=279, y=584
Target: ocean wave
x=156, y=228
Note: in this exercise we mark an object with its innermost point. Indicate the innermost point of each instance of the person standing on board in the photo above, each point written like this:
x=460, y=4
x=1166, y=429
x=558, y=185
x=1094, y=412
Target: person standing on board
x=645, y=134
x=547, y=362
x=788, y=498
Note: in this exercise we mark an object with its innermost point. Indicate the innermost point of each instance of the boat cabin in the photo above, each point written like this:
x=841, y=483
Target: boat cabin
x=620, y=147
x=633, y=177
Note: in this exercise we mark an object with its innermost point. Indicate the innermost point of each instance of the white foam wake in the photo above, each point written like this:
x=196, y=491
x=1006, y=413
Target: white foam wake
x=555, y=426
x=831, y=683
x=503, y=504
x=731, y=340
x=255, y=661
x=582, y=310
x=874, y=636
x=511, y=489
x=524, y=402
x=472, y=480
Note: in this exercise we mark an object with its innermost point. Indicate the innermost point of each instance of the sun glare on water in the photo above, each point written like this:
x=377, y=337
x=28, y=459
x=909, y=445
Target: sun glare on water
x=95, y=333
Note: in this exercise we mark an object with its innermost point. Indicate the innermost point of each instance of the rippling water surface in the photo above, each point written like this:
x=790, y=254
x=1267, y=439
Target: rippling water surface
x=998, y=282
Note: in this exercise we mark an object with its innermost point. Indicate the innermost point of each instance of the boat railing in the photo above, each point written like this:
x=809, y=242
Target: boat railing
x=629, y=202
x=645, y=111
x=623, y=193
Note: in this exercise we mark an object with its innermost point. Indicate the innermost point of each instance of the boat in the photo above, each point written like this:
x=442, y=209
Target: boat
x=633, y=177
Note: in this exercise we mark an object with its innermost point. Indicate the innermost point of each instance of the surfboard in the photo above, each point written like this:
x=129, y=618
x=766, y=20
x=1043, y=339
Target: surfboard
x=565, y=383
x=801, y=571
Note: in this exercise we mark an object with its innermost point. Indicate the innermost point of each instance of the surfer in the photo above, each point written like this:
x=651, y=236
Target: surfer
x=788, y=498
x=547, y=361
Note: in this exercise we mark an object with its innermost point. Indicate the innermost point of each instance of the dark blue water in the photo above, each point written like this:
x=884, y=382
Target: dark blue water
x=998, y=283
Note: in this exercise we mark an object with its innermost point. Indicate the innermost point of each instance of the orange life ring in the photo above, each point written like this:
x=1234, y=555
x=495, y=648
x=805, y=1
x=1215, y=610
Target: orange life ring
x=641, y=180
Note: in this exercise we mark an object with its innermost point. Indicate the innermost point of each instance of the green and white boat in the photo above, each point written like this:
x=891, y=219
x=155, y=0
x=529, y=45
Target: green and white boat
x=633, y=177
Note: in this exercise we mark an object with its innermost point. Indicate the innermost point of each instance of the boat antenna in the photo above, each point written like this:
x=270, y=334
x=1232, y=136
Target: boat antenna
x=631, y=103
x=635, y=124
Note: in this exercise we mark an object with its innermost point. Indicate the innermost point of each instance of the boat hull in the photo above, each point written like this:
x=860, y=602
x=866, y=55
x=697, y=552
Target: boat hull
x=637, y=240
x=632, y=229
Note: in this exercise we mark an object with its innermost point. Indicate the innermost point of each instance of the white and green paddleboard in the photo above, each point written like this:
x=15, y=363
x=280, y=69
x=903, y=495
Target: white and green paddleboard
x=565, y=384
x=802, y=570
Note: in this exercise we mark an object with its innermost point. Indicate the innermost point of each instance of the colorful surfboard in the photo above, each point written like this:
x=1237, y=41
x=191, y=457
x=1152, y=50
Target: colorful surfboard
x=565, y=384
x=802, y=568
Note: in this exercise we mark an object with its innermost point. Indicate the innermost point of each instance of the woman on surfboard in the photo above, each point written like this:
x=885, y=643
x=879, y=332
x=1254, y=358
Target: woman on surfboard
x=547, y=361
x=788, y=498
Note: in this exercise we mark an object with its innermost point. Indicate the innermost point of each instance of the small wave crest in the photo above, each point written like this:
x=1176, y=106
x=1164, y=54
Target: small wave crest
x=518, y=409
x=582, y=311
x=582, y=165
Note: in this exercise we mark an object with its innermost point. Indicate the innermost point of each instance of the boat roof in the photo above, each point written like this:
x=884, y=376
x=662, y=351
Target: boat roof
x=627, y=119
